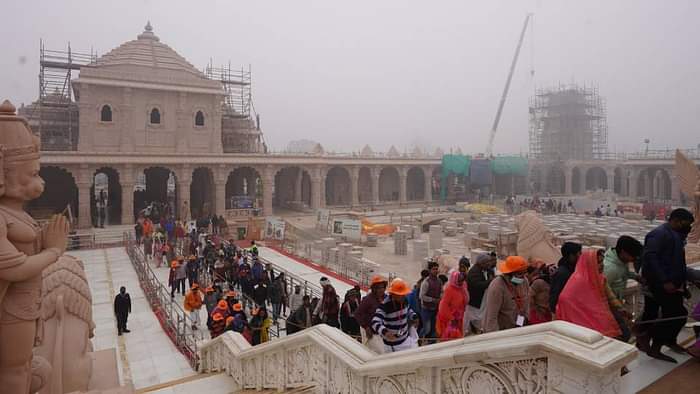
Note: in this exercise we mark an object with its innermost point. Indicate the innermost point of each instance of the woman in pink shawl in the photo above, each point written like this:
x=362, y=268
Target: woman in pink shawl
x=583, y=299
x=450, y=317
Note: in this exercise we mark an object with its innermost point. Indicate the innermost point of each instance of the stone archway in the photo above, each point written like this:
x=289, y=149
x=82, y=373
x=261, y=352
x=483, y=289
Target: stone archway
x=338, y=187
x=106, y=190
x=576, y=181
x=157, y=184
x=202, y=193
x=618, y=181
x=389, y=184
x=415, y=184
x=556, y=180
x=596, y=179
x=243, y=188
x=364, y=186
x=292, y=188
x=60, y=191
x=661, y=185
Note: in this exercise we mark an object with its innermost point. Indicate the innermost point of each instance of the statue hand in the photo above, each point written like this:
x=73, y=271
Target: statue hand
x=56, y=233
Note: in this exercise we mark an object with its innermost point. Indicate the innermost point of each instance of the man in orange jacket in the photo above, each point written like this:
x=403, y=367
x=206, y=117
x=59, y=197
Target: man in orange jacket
x=193, y=303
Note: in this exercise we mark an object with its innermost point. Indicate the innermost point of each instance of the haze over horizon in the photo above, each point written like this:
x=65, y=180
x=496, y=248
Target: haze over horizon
x=402, y=72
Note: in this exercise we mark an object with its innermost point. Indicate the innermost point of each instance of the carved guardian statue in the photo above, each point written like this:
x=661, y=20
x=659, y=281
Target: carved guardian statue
x=26, y=250
x=534, y=239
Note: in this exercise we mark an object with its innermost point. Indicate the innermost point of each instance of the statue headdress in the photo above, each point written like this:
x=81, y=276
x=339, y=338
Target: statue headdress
x=17, y=143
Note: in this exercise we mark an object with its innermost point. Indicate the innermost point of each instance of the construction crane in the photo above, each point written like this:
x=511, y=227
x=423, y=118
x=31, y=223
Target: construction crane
x=492, y=135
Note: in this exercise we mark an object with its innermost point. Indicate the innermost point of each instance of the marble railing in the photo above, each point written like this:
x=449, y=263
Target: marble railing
x=555, y=357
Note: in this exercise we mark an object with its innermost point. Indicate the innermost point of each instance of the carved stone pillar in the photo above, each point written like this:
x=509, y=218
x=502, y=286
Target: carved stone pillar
x=675, y=187
x=403, y=174
x=127, y=180
x=268, y=180
x=354, y=186
x=582, y=181
x=568, y=180
x=84, y=212
x=610, y=173
x=183, y=118
x=220, y=177
x=298, y=185
x=633, y=182
x=428, y=188
x=374, y=172
x=126, y=131
x=184, y=182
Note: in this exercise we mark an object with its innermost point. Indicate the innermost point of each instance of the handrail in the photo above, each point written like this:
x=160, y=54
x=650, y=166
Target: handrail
x=537, y=357
x=174, y=320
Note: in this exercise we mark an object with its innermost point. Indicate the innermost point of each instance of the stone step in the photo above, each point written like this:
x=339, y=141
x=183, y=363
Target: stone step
x=216, y=383
x=298, y=390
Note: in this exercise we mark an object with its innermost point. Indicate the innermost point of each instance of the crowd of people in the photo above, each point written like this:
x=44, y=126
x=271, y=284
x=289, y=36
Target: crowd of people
x=585, y=287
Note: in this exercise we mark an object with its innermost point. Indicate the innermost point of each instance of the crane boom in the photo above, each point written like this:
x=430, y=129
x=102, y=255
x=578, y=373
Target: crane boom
x=492, y=135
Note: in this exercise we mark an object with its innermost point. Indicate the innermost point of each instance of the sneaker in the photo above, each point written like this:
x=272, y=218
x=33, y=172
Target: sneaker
x=127, y=331
x=676, y=348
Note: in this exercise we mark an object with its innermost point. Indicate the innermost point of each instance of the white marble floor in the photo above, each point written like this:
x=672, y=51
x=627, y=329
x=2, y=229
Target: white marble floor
x=146, y=356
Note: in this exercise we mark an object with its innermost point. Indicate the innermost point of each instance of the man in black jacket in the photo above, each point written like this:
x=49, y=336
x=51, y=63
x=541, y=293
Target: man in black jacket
x=479, y=278
x=122, y=308
x=665, y=273
x=570, y=253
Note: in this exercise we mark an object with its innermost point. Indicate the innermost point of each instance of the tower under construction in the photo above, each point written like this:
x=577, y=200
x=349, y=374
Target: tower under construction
x=568, y=122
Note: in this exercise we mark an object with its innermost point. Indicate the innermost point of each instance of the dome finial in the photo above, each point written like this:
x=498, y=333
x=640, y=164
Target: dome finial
x=148, y=33
x=148, y=27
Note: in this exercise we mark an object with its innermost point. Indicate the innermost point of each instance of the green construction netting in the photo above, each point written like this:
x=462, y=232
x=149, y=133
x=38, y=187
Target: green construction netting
x=509, y=165
x=453, y=164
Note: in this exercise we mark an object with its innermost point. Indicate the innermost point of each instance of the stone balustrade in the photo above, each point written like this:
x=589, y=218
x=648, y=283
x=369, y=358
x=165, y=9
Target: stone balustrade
x=556, y=357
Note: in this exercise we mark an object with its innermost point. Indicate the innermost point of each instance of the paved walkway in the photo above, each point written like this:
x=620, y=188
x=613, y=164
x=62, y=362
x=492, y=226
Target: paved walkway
x=146, y=356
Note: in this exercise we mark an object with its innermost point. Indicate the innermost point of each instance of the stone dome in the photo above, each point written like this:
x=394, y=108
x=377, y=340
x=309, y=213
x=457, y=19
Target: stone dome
x=147, y=51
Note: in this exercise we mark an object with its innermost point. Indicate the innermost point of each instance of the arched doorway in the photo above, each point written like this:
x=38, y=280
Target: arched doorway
x=662, y=185
x=243, y=188
x=556, y=180
x=156, y=185
x=292, y=188
x=202, y=193
x=60, y=191
x=364, y=186
x=389, y=184
x=338, y=187
x=618, y=181
x=106, y=191
x=596, y=179
x=415, y=184
x=576, y=181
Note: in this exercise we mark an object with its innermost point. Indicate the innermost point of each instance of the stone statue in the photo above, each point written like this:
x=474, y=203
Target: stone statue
x=25, y=251
x=689, y=180
x=534, y=240
x=66, y=312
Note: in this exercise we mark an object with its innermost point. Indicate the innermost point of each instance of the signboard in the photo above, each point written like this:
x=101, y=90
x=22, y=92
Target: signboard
x=274, y=228
x=351, y=229
x=323, y=217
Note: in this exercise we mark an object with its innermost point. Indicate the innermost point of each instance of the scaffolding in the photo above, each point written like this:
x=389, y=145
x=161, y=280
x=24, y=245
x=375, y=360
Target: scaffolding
x=568, y=122
x=238, y=87
x=54, y=116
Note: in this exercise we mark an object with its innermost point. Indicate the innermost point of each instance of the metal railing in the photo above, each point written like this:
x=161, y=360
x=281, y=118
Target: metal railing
x=174, y=320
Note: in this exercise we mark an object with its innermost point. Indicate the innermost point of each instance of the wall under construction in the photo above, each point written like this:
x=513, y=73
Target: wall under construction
x=568, y=122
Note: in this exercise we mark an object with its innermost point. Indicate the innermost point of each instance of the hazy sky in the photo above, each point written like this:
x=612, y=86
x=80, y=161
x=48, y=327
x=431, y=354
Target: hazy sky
x=401, y=72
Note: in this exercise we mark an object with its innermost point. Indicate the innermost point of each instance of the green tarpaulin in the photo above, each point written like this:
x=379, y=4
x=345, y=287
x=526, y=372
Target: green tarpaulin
x=509, y=165
x=453, y=164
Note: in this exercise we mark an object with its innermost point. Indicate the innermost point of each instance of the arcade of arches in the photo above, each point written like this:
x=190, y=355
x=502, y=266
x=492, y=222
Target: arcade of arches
x=117, y=194
x=195, y=191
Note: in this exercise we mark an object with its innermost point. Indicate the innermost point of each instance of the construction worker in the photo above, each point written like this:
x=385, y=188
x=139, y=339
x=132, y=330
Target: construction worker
x=217, y=326
x=394, y=321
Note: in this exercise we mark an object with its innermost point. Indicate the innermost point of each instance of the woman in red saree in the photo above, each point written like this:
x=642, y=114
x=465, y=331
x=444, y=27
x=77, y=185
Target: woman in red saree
x=450, y=317
x=583, y=302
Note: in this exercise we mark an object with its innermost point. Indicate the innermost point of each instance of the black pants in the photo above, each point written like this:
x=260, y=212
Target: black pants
x=121, y=321
x=671, y=305
x=179, y=286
